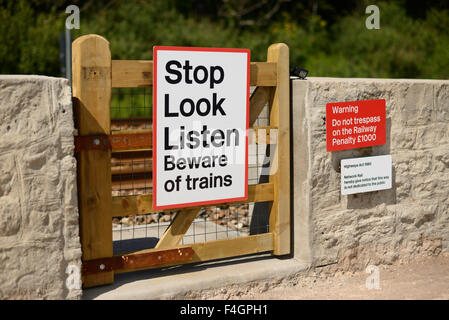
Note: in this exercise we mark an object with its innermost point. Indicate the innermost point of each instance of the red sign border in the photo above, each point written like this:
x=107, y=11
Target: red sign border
x=202, y=49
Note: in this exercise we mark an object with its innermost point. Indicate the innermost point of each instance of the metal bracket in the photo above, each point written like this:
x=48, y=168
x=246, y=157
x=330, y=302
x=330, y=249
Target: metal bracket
x=114, y=141
x=298, y=72
x=137, y=260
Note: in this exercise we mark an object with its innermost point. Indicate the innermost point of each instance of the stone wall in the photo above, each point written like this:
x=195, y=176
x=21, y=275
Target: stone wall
x=38, y=198
x=39, y=235
x=377, y=227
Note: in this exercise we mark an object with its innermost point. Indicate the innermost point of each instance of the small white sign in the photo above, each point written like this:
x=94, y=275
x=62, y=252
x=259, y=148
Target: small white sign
x=365, y=174
x=200, y=126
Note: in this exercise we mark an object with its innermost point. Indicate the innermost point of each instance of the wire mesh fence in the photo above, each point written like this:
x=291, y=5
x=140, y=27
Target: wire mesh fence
x=131, y=109
x=132, y=106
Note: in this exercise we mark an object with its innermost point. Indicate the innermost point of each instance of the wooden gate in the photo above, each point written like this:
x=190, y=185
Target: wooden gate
x=94, y=76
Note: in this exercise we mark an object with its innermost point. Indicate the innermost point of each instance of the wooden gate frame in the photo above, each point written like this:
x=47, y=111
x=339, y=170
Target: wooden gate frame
x=94, y=74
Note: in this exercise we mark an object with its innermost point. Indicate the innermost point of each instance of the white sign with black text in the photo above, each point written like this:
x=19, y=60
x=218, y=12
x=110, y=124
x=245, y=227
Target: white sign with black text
x=366, y=174
x=200, y=126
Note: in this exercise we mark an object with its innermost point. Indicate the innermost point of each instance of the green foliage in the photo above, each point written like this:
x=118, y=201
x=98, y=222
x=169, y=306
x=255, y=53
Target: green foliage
x=401, y=48
x=29, y=41
x=329, y=40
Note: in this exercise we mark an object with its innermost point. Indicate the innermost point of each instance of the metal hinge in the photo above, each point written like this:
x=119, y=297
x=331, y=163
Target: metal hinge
x=137, y=260
x=113, y=141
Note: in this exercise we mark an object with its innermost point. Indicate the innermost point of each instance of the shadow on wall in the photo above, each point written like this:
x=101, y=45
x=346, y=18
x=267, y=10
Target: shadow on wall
x=368, y=199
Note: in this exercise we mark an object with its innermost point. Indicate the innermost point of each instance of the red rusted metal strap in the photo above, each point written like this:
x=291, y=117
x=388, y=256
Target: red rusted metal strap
x=115, y=141
x=137, y=260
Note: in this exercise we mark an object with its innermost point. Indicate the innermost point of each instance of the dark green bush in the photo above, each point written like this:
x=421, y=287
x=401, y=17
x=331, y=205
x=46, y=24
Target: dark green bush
x=412, y=42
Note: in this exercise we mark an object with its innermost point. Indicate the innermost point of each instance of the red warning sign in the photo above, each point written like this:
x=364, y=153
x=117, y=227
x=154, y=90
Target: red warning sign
x=355, y=124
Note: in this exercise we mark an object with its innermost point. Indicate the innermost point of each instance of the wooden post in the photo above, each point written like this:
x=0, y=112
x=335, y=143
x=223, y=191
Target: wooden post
x=280, y=176
x=91, y=65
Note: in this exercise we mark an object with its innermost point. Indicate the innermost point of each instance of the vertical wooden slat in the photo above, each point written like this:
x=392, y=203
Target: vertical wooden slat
x=280, y=177
x=92, y=95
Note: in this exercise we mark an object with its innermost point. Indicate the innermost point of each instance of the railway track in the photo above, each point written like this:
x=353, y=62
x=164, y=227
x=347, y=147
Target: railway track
x=131, y=170
x=131, y=124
